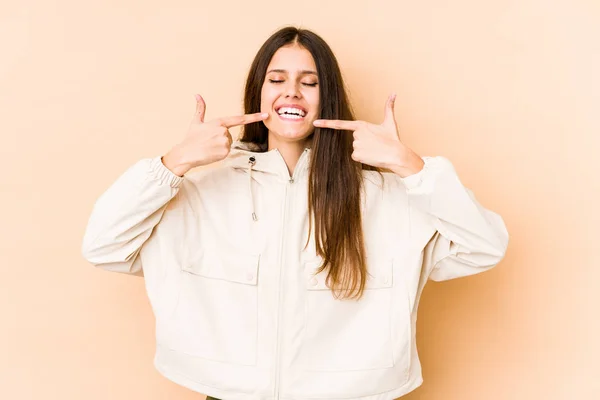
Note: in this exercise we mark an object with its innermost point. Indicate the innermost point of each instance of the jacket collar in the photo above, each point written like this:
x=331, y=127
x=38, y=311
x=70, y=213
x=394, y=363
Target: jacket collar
x=270, y=162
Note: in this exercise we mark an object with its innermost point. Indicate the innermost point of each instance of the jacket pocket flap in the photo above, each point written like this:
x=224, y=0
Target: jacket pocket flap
x=379, y=275
x=232, y=267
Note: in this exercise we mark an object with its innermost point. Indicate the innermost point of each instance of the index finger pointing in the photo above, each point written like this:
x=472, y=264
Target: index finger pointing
x=338, y=124
x=229, y=122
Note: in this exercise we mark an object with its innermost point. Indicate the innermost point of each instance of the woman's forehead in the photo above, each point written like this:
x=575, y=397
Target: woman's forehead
x=292, y=59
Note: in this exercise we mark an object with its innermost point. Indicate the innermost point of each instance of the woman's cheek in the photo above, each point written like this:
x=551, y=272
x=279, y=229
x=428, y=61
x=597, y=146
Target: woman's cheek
x=271, y=122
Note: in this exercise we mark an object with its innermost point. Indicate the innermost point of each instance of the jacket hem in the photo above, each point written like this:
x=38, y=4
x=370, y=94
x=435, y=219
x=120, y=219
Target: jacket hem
x=198, y=387
x=195, y=386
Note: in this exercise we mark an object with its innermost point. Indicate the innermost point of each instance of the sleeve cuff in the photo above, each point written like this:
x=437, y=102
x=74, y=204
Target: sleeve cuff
x=432, y=168
x=415, y=180
x=161, y=173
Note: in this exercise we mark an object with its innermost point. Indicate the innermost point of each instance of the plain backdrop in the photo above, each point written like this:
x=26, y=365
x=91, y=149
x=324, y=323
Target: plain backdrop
x=509, y=91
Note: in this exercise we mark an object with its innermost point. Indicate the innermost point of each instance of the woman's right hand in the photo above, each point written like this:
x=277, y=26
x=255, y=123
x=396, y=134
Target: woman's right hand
x=205, y=142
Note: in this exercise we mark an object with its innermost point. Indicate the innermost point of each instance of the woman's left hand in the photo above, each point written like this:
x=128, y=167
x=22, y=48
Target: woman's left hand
x=379, y=145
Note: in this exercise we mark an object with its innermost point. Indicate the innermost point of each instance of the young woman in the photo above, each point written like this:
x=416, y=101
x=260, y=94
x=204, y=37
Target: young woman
x=292, y=270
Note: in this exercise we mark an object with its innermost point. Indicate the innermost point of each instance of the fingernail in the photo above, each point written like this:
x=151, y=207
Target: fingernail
x=264, y=115
x=317, y=123
x=197, y=96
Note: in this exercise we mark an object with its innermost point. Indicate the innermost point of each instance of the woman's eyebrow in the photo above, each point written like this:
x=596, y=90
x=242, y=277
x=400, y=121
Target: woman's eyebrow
x=302, y=72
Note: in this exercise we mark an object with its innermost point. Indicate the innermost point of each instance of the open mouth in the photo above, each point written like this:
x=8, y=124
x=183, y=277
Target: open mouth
x=291, y=113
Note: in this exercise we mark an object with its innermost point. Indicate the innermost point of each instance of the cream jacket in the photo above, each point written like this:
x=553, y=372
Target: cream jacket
x=240, y=313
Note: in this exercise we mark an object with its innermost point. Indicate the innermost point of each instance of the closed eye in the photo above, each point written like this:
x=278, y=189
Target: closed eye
x=305, y=84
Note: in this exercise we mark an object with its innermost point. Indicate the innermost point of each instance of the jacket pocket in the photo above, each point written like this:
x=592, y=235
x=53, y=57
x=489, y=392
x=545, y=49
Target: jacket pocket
x=349, y=335
x=217, y=311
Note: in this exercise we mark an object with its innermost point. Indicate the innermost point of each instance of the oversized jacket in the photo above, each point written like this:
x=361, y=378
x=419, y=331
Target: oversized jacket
x=240, y=312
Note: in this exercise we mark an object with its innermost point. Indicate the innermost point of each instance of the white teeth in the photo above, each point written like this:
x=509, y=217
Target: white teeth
x=291, y=111
x=289, y=116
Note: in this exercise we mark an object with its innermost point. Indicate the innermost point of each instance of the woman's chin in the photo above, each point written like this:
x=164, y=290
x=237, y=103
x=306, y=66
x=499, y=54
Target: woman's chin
x=291, y=134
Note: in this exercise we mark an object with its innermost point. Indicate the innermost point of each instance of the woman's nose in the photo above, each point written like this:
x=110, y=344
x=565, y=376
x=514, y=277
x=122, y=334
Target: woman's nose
x=291, y=90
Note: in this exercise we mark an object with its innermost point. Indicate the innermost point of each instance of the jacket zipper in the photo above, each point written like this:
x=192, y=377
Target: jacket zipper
x=288, y=188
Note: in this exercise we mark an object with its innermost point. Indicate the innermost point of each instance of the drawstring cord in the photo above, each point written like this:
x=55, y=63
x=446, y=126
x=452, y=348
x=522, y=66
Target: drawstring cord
x=251, y=162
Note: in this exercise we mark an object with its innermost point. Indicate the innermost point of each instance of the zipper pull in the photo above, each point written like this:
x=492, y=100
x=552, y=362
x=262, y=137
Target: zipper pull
x=291, y=180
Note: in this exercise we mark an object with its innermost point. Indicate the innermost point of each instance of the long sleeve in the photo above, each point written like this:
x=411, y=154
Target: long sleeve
x=469, y=238
x=125, y=215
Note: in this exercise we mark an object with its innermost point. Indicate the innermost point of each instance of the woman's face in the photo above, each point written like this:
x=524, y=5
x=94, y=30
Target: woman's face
x=290, y=94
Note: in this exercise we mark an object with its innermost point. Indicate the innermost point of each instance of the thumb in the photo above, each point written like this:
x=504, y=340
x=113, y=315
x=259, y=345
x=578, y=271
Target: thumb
x=200, y=109
x=389, y=118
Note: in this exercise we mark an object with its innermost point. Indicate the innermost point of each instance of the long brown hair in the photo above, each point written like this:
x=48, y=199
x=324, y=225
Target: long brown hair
x=335, y=181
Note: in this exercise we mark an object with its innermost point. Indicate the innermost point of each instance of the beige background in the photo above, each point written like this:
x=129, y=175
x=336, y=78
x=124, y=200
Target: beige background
x=508, y=90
